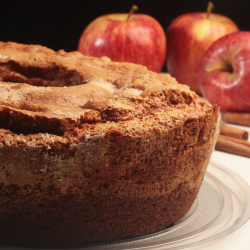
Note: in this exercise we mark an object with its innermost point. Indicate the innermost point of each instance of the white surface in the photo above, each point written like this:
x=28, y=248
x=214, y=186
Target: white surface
x=240, y=239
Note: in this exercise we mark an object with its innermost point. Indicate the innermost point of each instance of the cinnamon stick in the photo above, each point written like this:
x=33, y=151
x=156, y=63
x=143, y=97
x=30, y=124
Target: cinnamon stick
x=238, y=118
x=233, y=132
x=240, y=141
x=229, y=146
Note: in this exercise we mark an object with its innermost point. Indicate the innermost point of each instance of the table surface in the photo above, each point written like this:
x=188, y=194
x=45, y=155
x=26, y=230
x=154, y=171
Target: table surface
x=240, y=239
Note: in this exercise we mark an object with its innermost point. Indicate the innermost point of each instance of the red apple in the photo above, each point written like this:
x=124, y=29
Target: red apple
x=224, y=72
x=135, y=38
x=189, y=36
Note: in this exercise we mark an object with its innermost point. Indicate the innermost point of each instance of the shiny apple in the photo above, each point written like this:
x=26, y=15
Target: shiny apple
x=136, y=38
x=224, y=72
x=189, y=36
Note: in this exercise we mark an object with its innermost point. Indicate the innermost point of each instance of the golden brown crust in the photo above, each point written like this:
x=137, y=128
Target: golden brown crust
x=65, y=105
x=136, y=137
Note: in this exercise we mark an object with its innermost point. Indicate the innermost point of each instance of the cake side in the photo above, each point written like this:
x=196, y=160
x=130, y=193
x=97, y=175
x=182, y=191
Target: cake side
x=131, y=190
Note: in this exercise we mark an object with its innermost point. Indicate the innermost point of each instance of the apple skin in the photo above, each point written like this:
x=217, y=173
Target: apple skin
x=189, y=36
x=224, y=72
x=140, y=40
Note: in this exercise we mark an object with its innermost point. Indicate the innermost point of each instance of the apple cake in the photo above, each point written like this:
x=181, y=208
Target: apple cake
x=93, y=150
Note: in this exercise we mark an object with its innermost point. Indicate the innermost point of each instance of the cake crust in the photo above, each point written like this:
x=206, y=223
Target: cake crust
x=92, y=150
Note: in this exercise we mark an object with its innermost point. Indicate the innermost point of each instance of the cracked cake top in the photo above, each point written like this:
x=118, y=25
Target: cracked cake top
x=43, y=91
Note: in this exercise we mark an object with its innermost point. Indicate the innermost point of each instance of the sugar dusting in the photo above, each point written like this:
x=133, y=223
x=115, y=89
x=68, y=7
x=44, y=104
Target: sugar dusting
x=132, y=91
x=3, y=57
x=113, y=89
x=106, y=85
x=15, y=93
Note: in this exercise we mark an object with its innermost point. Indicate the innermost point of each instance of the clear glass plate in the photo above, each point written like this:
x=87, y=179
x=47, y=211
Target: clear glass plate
x=222, y=206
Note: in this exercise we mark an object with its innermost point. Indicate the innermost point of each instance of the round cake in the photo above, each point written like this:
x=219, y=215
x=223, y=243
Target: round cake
x=93, y=150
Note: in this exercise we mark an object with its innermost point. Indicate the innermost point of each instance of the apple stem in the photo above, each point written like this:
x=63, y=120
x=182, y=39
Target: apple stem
x=132, y=10
x=210, y=6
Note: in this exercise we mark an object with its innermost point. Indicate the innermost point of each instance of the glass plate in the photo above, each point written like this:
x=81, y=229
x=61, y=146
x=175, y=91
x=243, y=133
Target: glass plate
x=222, y=206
